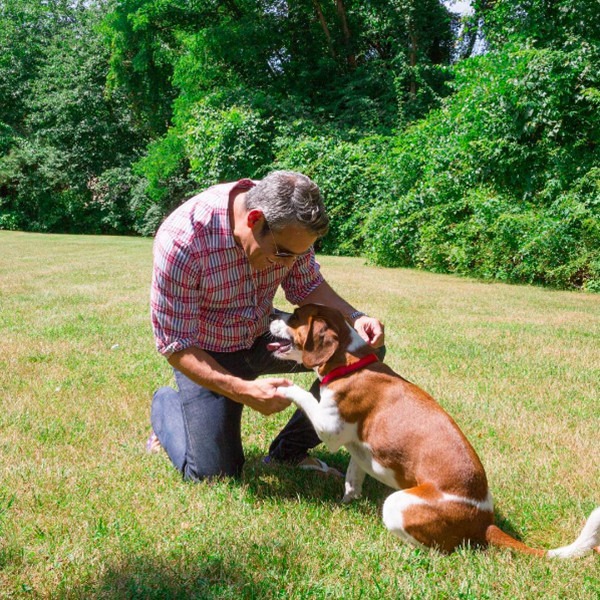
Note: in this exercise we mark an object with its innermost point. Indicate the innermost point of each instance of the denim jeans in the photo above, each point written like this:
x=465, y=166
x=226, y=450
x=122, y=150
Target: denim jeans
x=201, y=430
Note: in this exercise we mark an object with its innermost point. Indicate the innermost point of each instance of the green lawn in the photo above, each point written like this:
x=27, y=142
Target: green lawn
x=85, y=513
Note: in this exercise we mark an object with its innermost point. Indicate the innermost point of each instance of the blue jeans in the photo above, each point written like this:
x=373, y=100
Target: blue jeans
x=201, y=430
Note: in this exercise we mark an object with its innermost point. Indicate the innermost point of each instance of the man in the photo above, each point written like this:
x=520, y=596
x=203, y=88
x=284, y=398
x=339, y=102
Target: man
x=218, y=261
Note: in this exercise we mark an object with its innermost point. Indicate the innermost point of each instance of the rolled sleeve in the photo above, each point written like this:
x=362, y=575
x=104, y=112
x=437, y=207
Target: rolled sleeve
x=174, y=296
x=302, y=279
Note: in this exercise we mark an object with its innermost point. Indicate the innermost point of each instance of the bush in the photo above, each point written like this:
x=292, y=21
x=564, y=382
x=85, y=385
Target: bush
x=502, y=182
x=351, y=174
x=226, y=144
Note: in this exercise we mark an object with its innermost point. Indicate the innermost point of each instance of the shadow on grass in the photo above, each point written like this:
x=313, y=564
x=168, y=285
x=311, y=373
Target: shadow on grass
x=285, y=483
x=189, y=576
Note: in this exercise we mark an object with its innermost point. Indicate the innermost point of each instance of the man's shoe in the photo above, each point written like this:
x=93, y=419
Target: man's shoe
x=153, y=445
x=310, y=463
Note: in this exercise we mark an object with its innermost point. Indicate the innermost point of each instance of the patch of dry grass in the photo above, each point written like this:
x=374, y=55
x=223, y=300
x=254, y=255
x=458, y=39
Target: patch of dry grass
x=84, y=513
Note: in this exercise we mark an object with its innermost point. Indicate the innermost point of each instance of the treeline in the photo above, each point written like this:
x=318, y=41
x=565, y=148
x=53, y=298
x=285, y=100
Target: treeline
x=465, y=145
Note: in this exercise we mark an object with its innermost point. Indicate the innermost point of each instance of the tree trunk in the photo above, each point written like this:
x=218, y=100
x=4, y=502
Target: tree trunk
x=324, y=27
x=341, y=9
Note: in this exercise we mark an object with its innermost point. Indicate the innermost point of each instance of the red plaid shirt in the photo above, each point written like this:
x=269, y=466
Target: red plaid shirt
x=204, y=292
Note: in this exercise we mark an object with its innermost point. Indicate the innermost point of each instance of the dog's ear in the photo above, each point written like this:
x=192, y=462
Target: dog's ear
x=321, y=343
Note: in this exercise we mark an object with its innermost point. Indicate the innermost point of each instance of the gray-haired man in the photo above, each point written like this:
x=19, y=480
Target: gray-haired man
x=218, y=261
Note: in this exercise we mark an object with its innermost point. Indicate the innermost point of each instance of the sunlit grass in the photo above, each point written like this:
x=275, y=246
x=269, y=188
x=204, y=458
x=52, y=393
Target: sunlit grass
x=85, y=513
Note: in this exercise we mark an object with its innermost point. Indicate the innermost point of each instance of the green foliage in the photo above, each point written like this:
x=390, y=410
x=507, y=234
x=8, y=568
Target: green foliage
x=24, y=28
x=116, y=198
x=112, y=113
x=165, y=180
x=70, y=132
x=507, y=184
x=222, y=144
x=209, y=145
x=558, y=24
x=33, y=188
x=350, y=173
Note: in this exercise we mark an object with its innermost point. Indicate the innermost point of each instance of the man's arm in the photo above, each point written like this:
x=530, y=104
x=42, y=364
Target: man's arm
x=369, y=328
x=261, y=394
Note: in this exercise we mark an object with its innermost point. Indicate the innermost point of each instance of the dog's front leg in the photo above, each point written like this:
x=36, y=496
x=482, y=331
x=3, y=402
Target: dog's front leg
x=355, y=476
x=307, y=403
x=328, y=429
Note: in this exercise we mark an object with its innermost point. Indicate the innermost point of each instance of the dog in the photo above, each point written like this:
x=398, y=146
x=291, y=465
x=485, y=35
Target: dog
x=401, y=436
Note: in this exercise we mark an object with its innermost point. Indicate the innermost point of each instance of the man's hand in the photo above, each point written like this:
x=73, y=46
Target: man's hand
x=262, y=395
x=371, y=330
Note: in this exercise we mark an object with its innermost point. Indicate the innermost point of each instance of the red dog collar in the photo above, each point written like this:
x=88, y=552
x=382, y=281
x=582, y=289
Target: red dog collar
x=346, y=369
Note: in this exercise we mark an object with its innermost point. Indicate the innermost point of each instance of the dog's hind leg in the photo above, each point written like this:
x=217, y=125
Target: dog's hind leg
x=395, y=520
x=355, y=476
x=425, y=517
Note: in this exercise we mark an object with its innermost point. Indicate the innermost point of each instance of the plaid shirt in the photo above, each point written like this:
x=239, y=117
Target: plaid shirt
x=204, y=292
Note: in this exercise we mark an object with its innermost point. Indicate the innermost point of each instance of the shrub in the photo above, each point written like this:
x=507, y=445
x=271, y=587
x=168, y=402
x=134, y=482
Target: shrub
x=351, y=174
x=502, y=182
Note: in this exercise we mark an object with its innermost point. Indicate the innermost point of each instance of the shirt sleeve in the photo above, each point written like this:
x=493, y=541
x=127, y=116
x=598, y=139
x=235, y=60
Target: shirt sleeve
x=302, y=279
x=175, y=293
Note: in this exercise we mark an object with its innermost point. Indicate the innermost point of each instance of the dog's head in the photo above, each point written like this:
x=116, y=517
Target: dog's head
x=311, y=335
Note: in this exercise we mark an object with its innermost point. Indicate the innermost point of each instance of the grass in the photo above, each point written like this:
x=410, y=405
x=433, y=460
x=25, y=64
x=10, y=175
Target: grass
x=85, y=513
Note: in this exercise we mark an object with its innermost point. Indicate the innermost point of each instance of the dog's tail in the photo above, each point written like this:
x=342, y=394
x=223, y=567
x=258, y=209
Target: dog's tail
x=588, y=540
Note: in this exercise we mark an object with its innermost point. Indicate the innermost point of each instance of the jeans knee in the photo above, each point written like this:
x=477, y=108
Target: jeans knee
x=193, y=474
x=162, y=393
x=163, y=401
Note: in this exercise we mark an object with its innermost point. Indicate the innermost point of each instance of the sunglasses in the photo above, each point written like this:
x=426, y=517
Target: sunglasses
x=284, y=254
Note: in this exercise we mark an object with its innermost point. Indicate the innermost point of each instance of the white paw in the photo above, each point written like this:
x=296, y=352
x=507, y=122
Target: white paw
x=291, y=392
x=349, y=496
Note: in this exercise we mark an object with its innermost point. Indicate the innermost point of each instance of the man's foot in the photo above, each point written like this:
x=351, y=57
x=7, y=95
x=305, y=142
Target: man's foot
x=310, y=463
x=153, y=445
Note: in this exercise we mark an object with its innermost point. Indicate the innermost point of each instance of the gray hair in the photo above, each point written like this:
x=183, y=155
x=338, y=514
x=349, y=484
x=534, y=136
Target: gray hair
x=289, y=198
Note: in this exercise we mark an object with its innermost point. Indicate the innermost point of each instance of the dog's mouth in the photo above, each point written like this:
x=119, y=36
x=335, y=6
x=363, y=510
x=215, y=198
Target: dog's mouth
x=280, y=347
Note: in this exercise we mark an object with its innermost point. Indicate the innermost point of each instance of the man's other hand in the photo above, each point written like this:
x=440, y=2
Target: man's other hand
x=371, y=330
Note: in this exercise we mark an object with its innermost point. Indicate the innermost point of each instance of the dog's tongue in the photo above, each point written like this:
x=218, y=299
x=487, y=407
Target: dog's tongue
x=274, y=346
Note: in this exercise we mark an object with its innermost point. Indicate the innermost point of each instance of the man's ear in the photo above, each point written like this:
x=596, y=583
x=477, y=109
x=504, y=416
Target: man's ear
x=321, y=343
x=254, y=216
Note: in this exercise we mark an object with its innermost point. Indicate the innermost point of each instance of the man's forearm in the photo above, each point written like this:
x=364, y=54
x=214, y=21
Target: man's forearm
x=262, y=395
x=325, y=294
x=203, y=369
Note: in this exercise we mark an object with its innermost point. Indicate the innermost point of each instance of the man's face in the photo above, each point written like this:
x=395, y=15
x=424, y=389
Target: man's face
x=277, y=247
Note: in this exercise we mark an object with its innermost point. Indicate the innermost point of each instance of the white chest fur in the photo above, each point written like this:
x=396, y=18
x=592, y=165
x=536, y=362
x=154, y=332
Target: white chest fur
x=330, y=427
x=335, y=432
x=346, y=434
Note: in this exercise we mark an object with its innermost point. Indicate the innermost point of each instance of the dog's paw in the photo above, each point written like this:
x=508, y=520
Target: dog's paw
x=297, y=395
x=350, y=494
x=349, y=497
x=291, y=392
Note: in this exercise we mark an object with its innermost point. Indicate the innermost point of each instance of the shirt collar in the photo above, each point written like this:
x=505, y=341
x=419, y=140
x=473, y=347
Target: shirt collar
x=221, y=235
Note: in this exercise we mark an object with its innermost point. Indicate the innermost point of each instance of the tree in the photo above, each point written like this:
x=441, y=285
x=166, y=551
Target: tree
x=69, y=131
x=541, y=23
x=221, y=69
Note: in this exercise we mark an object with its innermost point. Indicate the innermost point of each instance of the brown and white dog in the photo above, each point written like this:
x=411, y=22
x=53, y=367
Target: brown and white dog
x=398, y=434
